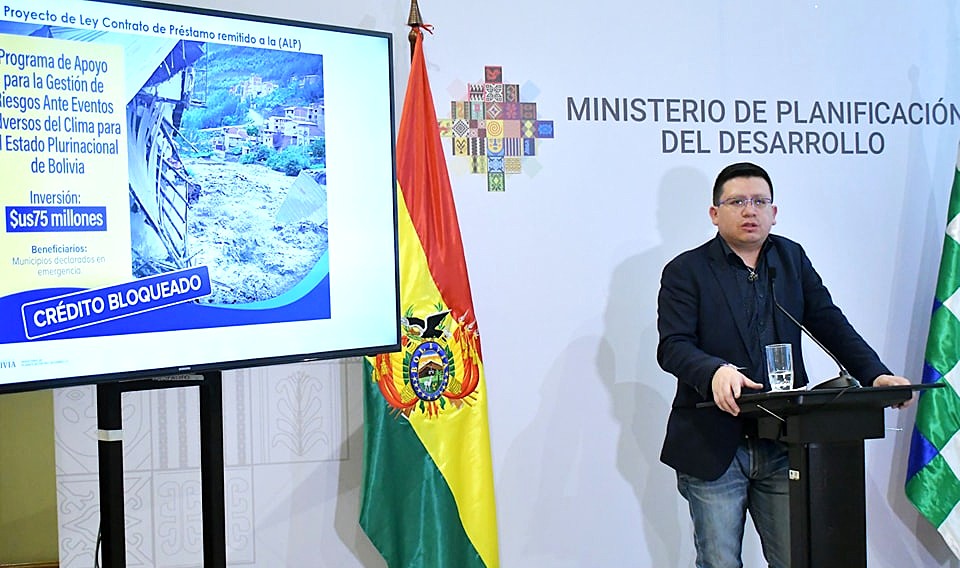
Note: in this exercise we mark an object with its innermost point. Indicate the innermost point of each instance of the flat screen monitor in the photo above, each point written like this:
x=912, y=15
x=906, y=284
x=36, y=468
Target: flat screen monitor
x=187, y=190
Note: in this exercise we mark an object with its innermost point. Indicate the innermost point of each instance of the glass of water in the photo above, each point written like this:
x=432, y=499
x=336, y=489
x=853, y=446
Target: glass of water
x=780, y=366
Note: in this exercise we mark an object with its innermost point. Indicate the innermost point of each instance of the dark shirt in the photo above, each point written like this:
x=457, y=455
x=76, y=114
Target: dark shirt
x=754, y=288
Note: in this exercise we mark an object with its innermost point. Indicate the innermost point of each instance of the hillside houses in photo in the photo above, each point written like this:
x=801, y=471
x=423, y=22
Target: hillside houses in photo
x=298, y=126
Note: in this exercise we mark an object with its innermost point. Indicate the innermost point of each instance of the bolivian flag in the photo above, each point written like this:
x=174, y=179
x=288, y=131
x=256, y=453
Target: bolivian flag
x=427, y=498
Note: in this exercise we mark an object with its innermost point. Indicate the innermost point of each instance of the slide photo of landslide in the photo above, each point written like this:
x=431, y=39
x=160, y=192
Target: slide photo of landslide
x=227, y=157
x=245, y=226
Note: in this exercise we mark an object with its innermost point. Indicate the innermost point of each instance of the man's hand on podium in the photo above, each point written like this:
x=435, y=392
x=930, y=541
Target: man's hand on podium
x=727, y=384
x=892, y=381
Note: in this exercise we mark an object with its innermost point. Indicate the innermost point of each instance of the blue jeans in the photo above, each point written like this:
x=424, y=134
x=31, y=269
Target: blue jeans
x=756, y=481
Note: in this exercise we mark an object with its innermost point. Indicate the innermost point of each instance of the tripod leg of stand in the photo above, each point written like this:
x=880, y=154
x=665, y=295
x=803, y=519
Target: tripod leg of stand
x=211, y=471
x=110, y=453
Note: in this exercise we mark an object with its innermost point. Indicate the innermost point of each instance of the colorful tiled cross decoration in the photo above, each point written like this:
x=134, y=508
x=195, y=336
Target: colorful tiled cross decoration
x=494, y=129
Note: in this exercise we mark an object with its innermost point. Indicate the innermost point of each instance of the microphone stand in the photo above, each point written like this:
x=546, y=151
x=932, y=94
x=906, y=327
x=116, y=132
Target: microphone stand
x=842, y=381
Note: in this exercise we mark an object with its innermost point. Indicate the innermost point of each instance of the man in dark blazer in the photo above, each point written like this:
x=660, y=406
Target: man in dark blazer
x=716, y=312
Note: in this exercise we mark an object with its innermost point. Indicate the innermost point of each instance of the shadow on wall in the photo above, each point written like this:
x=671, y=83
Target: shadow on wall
x=562, y=504
x=640, y=392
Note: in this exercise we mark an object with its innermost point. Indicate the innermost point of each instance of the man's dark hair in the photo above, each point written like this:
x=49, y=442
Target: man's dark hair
x=739, y=170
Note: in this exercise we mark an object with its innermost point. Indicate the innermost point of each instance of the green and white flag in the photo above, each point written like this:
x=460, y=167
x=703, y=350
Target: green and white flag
x=933, y=471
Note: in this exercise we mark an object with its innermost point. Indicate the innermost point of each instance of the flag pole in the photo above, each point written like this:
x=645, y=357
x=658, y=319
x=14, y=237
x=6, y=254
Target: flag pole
x=414, y=20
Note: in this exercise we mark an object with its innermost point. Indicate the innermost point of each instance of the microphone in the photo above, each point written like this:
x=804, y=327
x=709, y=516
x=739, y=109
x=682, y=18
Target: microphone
x=841, y=381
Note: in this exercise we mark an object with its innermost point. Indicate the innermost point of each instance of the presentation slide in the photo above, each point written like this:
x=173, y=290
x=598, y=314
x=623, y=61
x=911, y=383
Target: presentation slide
x=190, y=190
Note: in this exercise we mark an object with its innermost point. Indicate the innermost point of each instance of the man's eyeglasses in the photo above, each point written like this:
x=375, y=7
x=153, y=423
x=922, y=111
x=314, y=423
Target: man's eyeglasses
x=743, y=202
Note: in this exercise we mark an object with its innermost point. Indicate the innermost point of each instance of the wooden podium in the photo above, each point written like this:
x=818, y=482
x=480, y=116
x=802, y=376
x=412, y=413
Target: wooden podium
x=824, y=430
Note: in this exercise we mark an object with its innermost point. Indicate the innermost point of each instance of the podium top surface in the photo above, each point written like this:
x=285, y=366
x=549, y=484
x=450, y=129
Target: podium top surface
x=805, y=400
